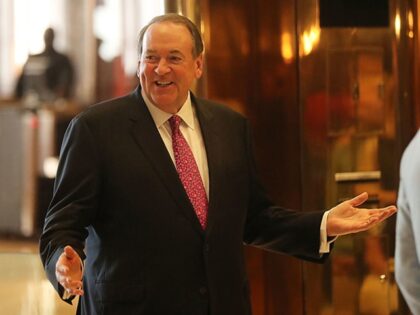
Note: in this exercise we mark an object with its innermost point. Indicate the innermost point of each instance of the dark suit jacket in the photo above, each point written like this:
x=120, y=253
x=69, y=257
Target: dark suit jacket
x=145, y=250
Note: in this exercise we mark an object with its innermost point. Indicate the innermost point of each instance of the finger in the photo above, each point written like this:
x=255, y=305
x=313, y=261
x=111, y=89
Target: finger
x=387, y=212
x=61, y=279
x=391, y=209
x=73, y=287
x=72, y=284
x=66, y=282
x=359, y=199
x=75, y=291
x=382, y=212
x=368, y=223
x=62, y=269
x=378, y=215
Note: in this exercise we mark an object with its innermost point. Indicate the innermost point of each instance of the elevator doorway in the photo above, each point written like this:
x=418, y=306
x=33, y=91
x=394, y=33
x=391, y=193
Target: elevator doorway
x=351, y=144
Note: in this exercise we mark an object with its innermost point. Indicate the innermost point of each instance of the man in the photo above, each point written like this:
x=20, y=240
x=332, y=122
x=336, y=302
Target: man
x=49, y=74
x=407, y=249
x=164, y=187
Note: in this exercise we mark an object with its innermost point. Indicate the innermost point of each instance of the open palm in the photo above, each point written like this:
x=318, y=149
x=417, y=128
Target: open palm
x=346, y=218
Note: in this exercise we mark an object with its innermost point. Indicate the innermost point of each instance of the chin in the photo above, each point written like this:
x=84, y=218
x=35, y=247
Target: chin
x=164, y=104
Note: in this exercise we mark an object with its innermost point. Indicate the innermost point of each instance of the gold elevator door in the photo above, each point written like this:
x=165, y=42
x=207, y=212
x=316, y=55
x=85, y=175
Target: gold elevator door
x=349, y=146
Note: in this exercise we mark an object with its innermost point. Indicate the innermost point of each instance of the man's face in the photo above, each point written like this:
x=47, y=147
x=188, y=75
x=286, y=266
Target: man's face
x=167, y=68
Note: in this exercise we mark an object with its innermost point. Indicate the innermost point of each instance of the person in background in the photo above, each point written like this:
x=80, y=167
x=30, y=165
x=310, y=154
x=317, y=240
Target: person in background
x=48, y=75
x=157, y=191
x=407, y=249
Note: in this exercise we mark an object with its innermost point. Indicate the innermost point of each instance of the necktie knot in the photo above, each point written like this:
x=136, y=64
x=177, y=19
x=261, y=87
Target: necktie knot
x=175, y=121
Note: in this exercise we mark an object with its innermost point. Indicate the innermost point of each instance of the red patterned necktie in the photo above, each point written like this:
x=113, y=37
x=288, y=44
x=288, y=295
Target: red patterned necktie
x=188, y=171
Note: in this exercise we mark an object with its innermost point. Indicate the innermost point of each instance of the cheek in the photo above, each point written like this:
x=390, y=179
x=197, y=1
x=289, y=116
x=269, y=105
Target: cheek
x=143, y=79
x=145, y=69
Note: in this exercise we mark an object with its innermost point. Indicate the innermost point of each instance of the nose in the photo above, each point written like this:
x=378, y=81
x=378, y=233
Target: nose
x=162, y=67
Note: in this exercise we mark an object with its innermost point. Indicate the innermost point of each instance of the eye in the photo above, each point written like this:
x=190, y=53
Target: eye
x=175, y=59
x=151, y=58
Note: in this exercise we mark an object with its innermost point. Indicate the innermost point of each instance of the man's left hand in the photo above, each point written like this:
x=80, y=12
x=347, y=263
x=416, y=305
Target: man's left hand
x=346, y=218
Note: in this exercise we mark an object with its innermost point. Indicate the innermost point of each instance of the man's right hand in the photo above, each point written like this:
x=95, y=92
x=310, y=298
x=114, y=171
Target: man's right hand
x=69, y=271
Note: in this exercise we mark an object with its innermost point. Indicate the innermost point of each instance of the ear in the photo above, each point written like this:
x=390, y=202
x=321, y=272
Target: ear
x=199, y=66
x=138, y=69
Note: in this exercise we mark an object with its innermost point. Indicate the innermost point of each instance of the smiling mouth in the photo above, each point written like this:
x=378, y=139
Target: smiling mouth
x=163, y=83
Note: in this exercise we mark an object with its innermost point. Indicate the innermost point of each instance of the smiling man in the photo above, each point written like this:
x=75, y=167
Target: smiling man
x=168, y=66
x=157, y=192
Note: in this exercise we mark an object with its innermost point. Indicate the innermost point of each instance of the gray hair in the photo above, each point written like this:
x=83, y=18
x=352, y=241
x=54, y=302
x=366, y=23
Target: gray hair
x=198, y=46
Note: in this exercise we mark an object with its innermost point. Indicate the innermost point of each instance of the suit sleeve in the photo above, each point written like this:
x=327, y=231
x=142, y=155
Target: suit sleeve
x=274, y=228
x=74, y=201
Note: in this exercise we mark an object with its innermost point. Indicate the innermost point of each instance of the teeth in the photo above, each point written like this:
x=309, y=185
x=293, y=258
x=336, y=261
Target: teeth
x=163, y=83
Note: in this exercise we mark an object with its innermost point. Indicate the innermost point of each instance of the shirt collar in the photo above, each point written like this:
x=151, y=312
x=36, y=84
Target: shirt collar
x=160, y=117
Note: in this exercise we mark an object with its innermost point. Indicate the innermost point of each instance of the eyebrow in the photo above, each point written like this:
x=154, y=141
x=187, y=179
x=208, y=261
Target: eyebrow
x=149, y=51
x=174, y=51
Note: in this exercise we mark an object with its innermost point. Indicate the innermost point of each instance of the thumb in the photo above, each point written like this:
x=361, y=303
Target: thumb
x=359, y=199
x=69, y=252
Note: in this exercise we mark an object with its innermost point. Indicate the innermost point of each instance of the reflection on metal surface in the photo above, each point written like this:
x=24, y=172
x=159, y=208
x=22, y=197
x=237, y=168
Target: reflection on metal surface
x=310, y=39
x=397, y=25
x=362, y=277
x=410, y=24
x=349, y=98
x=286, y=47
x=383, y=277
x=370, y=76
x=192, y=10
x=357, y=176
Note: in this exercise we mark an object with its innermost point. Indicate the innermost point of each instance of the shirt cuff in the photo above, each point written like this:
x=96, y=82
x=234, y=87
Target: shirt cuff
x=324, y=244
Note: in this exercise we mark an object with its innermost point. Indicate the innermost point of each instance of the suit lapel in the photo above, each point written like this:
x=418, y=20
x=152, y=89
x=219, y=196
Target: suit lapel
x=212, y=138
x=147, y=137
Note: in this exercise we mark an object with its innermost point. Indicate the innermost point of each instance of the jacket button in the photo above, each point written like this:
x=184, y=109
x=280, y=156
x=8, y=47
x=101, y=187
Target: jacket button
x=203, y=290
